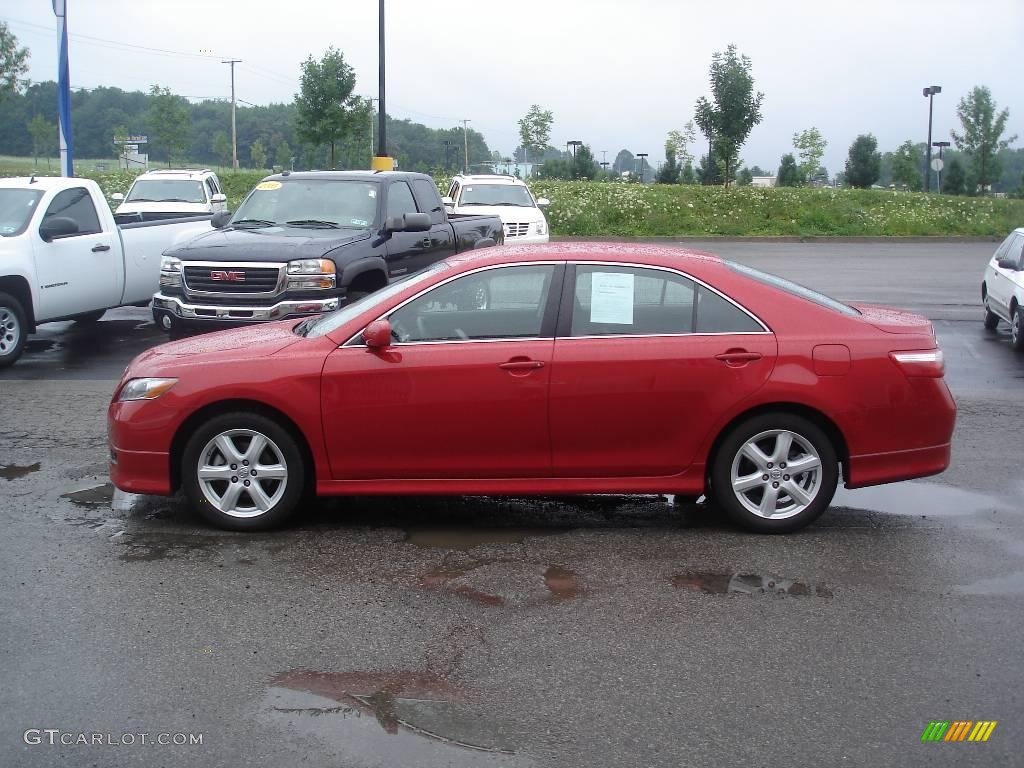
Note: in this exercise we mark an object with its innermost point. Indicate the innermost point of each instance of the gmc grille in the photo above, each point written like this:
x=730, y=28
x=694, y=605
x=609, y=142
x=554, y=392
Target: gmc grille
x=255, y=279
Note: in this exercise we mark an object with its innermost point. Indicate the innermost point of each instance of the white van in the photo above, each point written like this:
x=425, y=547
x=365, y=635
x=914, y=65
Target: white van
x=504, y=196
x=171, y=194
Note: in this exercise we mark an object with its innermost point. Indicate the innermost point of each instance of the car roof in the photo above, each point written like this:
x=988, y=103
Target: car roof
x=186, y=173
x=629, y=253
x=42, y=182
x=356, y=175
x=490, y=179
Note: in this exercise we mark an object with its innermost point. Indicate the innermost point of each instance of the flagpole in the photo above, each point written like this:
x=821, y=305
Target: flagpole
x=67, y=166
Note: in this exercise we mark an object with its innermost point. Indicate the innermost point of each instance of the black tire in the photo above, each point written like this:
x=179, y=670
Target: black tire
x=90, y=317
x=735, y=503
x=13, y=330
x=1017, y=330
x=991, y=318
x=280, y=440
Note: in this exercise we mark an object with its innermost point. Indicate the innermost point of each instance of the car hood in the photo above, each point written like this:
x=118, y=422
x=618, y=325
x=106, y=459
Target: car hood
x=893, y=320
x=186, y=209
x=272, y=244
x=508, y=214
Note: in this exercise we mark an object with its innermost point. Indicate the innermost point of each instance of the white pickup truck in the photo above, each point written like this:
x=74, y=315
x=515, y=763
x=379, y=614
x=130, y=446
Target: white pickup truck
x=62, y=257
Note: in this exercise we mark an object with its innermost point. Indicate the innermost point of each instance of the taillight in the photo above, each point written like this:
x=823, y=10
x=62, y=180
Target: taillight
x=927, y=362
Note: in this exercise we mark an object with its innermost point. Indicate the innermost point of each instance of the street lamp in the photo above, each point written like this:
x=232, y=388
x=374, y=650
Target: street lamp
x=929, y=93
x=642, y=156
x=938, y=173
x=574, y=143
x=381, y=162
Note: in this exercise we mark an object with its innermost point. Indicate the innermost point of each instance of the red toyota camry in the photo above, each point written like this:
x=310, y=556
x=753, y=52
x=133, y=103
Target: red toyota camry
x=561, y=369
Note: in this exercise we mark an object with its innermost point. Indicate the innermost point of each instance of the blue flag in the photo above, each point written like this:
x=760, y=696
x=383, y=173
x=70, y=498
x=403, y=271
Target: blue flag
x=67, y=167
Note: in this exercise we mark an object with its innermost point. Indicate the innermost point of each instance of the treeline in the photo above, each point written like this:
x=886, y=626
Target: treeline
x=99, y=113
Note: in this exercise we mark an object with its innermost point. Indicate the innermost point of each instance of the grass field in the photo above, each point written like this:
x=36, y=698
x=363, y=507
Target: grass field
x=583, y=208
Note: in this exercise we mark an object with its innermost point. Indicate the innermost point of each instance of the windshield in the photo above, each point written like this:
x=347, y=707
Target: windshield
x=794, y=288
x=166, y=191
x=324, y=324
x=16, y=208
x=306, y=202
x=496, y=194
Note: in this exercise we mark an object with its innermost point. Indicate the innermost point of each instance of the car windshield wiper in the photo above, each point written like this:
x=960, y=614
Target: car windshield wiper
x=252, y=223
x=178, y=200
x=302, y=329
x=140, y=200
x=313, y=223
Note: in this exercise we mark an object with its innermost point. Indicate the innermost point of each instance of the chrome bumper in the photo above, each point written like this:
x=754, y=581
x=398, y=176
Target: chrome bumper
x=278, y=311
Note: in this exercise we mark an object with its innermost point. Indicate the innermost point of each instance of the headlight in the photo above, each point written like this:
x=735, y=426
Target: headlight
x=170, y=272
x=170, y=264
x=542, y=227
x=311, y=273
x=145, y=389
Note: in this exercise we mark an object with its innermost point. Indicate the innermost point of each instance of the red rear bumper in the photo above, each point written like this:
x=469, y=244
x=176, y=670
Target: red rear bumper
x=878, y=468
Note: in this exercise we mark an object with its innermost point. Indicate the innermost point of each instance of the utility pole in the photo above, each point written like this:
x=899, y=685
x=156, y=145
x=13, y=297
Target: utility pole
x=465, y=141
x=929, y=93
x=234, y=134
x=381, y=161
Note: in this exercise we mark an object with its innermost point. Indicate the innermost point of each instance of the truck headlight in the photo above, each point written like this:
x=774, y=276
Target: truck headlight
x=542, y=227
x=145, y=389
x=170, y=272
x=170, y=264
x=312, y=273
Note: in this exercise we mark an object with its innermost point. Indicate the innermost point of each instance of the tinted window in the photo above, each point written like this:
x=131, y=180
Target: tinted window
x=75, y=204
x=211, y=187
x=507, y=302
x=630, y=300
x=793, y=288
x=16, y=209
x=400, y=199
x=716, y=315
x=430, y=201
x=166, y=191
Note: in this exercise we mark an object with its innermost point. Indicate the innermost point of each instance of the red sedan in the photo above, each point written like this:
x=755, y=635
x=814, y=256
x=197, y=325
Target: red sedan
x=561, y=369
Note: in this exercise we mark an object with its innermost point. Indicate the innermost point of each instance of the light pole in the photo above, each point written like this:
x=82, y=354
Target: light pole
x=465, y=142
x=938, y=173
x=381, y=162
x=447, y=146
x=929, y=93
x=643, y=159
x=574, y=143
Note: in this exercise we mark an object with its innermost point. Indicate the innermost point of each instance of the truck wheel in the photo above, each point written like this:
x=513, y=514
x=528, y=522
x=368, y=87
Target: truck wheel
x=90, y=317
x=13, y=329
x=243, y=471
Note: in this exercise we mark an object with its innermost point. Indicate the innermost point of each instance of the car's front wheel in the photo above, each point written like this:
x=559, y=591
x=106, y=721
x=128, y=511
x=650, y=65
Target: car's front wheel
x=243, y=472
x=1017, y=329
x=991, y=318
x=775, y=473
x=13, y=330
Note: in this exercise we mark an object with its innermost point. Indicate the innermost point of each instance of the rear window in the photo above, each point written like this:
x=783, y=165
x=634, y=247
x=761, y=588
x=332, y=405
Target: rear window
x=792, y=288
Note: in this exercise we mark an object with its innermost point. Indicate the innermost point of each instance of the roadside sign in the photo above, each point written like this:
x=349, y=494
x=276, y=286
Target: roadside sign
x=937, y=164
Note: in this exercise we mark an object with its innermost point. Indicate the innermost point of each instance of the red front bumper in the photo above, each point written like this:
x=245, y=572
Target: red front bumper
x=134, y=464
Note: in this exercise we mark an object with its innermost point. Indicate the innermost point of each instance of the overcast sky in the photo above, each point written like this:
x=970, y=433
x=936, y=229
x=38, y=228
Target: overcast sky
x=616, y=74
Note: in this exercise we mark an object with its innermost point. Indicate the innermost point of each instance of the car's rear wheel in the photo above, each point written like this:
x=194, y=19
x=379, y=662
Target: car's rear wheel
x=13, y=330
x=775, y=473
x=243, y=472
x=991, y=318
x=1017, y=329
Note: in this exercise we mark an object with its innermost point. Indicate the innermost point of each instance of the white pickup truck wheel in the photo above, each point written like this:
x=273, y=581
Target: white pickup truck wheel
x=12, y=329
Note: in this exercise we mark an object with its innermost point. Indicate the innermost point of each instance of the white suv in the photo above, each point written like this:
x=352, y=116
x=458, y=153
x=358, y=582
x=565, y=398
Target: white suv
x=169, y=194
x=504, y=196
x=1002, y=291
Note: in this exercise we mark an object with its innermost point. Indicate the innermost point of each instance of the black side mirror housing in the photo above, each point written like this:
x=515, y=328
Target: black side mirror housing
x=1007, y=264
x=409, y=222
x=57, y=226
x=220, y=219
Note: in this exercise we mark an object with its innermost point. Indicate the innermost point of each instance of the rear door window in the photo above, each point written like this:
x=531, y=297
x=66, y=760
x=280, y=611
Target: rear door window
x=614, y=301
x=428, y=199
x=400, y=199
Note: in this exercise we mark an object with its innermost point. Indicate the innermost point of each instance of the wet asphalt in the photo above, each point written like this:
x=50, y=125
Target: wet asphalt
x=454, y=631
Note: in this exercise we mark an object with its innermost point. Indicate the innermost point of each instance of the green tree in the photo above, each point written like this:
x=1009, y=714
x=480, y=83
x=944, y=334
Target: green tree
x=258, y=155
x=688, y=176
x=982, y=128
x=789, y=172
x=710, y=170
x=169, y=125
x=906, y=166
x=535, y=130
x=283, y=156
x=736, y=109
x=810, y=147
x=13, y=62
x=584, y=166
x=681, y=141
x=669, y=172
x=744, y=178
x=222, y=148
x=863, y=162
x=44, y=137
x=953, y=178
x=326, y=109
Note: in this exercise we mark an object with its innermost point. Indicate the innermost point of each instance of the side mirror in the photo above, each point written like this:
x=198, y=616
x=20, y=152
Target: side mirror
x=447, y=200
x=117, y=196
x=220, y=218
x=377, y=334
x=409, y=222
x=542, y=201
x=57, y=226
x=220, y=197
x=1007, y=264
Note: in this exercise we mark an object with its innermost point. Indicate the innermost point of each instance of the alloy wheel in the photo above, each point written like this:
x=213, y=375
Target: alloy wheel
x=10, y=331
x=776, y=474
x=242, y=473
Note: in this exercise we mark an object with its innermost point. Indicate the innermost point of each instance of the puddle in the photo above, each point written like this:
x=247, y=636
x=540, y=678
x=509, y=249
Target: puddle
x=97, y=496
x=562, y=583
x=464, y=538
x=521, y=583
x=391, y=718
x=919, y=499
x=1010, y=584
x=167, y=546
x=14, y=471
x=745, y=584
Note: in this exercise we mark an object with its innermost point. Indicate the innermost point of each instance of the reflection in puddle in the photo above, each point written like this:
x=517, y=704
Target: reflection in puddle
x=392, y=718
x=745, y=584
x=97, y=496
x=169, y=546
x=14, y=471
x=918, y=498
x=521, y=582
x=464, y=538
x=562, y=583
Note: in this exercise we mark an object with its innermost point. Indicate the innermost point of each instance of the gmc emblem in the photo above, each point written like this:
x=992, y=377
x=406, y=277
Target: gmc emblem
x=234, y=277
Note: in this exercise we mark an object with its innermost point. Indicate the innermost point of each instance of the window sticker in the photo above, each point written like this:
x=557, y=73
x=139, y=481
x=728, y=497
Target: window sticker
x=611, y=298
x=371, y=192
x=266, y=186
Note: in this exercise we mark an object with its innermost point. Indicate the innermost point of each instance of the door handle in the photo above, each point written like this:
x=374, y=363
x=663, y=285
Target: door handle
x=100, y=247
x=738, y=357
x=425, y=242
x=521, y=365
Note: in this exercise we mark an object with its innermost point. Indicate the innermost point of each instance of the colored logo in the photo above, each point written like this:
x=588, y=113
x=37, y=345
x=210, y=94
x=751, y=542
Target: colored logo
x=234, y=277
x=958, y=730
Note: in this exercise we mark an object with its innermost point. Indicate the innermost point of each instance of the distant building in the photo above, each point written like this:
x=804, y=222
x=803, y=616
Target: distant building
x=763, y=181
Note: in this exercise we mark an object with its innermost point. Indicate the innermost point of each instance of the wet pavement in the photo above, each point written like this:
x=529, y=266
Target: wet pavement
x=480, y=631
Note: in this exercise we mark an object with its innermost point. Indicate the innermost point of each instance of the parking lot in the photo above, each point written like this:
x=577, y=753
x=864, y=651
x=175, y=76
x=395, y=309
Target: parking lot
x=602, y=631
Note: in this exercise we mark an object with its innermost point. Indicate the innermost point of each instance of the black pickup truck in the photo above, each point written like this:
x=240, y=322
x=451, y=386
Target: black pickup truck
x=304, y=243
